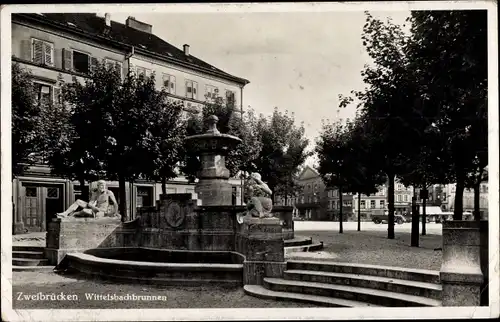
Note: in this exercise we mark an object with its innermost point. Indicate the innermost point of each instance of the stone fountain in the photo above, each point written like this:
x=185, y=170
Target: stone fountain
x=213, y=187
x=181, y=240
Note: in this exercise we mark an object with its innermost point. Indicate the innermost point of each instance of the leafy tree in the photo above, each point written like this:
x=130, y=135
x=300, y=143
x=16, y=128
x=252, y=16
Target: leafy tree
x=230, y=122
x=450, y=51
x=384, y=102
x=164, y=142
x=284, y=150
x=119, y=130
x=365, y=178
x=26, y=121
x=75, y=129
x=333, y=149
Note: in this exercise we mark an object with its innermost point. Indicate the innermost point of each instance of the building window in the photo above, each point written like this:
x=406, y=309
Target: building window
x=145, y=72
x=382, y=204
x=144, y=197
x=42, y=52
x=212, y=92
x=53, y=193
x=191, y=89
x=363, y=204
x=398, y=198
x=230, y=97
x=44, y=93
x=372, y=204
x=81, y=62
x=113, y=64
x=30, y=191
x=169, y=83
x=405, y=198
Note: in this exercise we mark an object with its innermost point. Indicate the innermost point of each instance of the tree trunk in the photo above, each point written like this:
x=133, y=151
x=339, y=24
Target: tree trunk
x=477, y=196
x=341, y=228
x=414, y=221
x=359, y=211
x=459, y=198
x=123, y=198
x=163, y=185
x=424, y=218
x=390, y=202
x=85, y=192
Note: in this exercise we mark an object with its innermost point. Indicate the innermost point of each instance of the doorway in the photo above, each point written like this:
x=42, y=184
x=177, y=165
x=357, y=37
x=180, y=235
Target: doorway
x=40, y=203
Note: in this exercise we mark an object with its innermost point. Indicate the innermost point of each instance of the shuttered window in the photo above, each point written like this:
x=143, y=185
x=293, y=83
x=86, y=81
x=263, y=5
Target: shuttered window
x=42, y=52
x=230, y=97
x=43, y=93
x=169, y=83
x=143, y=71
x=191, y=89
x=211, y=92
x=113, y=64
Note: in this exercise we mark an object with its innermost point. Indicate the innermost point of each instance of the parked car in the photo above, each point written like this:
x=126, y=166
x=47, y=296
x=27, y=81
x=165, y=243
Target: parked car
x=379, y=219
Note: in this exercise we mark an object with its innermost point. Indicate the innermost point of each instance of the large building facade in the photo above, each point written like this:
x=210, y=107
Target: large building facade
x=54, y=46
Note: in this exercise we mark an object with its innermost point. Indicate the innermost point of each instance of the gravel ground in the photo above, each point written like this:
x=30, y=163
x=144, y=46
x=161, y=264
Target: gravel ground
x=373, y=247
x=175, y=297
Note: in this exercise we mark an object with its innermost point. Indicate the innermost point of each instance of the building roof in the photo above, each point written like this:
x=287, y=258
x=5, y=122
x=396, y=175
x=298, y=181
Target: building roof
x=308, y=173
x=143, y=42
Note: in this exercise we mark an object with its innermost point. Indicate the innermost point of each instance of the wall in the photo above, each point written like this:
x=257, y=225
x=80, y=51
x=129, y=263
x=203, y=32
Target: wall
x=181, y=75
x=21, y=47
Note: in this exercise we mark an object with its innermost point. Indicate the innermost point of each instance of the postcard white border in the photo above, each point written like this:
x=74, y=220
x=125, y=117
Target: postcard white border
x=253, y=314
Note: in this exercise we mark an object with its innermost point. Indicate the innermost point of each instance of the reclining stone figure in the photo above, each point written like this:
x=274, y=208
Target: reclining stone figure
x=97, y=207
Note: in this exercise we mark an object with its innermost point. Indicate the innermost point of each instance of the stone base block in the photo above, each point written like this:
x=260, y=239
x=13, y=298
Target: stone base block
x=73, y=235
x=55, y=256
x=460, y=272
x=214, y=192
x=461, y=294
x=255, y=271
x=18, y=228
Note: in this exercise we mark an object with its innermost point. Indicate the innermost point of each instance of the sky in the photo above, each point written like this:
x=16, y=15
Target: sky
x=296, y=61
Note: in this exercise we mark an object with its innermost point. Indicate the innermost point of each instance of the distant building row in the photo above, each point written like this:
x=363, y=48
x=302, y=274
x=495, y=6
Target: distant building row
x=318, y=202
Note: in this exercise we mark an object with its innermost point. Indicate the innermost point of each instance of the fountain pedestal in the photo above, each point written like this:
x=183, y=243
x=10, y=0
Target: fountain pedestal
x=460, y=273
x=260, y=240
x=213, y=187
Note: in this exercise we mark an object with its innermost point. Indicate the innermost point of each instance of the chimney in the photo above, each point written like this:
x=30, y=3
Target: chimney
x=138, y=25
x=186, y=49
x=107, y=17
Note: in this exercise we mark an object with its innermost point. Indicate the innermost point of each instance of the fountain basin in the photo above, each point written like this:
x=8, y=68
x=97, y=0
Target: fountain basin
x=145, y=254
x=157, y=266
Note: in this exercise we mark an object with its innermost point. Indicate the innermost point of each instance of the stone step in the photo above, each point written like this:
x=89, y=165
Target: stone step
x=361, y=294
x=261, y=292
x=27, y=254
x=411, y=274
x=307, y=248
x=422, y=289
x=29, y=262
x=46, y=268
x=298, y=241
x=22, y=248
